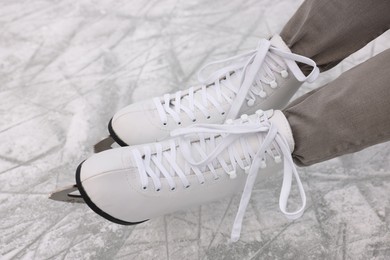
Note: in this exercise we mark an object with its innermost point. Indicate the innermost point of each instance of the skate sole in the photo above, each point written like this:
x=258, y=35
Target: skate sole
x=114, y=135
x=95, y=208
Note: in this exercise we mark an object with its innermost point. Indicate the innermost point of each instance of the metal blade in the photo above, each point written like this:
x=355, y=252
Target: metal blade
x=67, y=194
x=103, y=145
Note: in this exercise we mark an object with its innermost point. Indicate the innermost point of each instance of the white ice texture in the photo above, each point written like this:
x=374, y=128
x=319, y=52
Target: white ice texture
x=67, y=66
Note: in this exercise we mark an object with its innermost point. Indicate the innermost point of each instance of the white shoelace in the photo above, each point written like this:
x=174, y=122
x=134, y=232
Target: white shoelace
x=272, y=143
x=255, y=68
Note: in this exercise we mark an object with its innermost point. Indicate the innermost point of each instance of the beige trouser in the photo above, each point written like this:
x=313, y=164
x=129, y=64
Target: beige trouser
x=352, y=112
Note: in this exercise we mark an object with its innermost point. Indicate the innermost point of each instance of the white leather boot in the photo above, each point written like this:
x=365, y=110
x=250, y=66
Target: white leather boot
x=264, y=78
x=197, y=165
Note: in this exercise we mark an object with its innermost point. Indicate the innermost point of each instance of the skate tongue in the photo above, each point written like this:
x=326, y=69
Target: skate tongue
x=248, y=76
x=292, y=59
x=230, y=76
x=280, y=120
x=234, y=141
x=277, y=41
x=250, y=140
x=227, y=89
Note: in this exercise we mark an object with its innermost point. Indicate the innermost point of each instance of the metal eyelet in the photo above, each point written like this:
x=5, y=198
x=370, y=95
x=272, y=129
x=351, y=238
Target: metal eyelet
x=278, y=159
x=263, y=94
x=273, y=84
x=244, y=118
x=259, y=113
x=232, y=174
x=250, y=102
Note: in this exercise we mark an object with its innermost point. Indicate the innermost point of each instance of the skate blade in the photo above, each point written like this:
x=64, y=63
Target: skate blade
x=103, y=145
x=67, y=194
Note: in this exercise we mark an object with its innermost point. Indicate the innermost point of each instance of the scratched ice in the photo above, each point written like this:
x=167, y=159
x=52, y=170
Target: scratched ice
x=67, y=66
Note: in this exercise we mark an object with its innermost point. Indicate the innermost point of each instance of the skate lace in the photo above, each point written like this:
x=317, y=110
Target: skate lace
x=272, y=143
x=255, y=68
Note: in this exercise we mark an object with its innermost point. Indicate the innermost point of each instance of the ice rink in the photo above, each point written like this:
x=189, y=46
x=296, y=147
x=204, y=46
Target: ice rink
x=67, y=66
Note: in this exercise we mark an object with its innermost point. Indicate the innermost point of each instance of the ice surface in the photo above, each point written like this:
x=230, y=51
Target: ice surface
x=67, y=66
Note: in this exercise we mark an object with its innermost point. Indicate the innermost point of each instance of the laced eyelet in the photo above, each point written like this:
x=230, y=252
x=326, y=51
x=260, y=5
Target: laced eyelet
x=193, y=120
x=158, y=190
x=278, y=159
x=232, y=174
x=259, y=113
x=173, y=188
x=202, y=183
x=284, y=74
x=273, y=84
x=179, y=123
x=244, y=118
x=144, y=187
x=165, y=123
x=187, y=186
x=223, y=113
x=208, y=117
x=216, y=178
x=250, y=102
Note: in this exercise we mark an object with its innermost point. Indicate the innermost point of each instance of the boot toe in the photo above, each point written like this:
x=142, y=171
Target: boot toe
x=104, y=182
x=136, y=124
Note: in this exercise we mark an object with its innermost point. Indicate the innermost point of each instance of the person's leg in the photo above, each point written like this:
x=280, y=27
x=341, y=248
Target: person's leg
x=344, y=116
x=328, y=31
